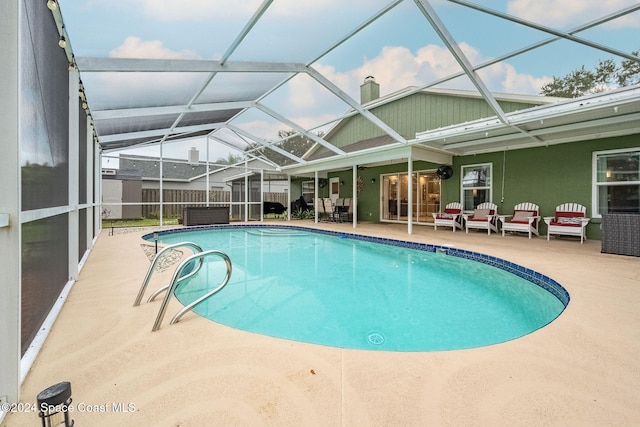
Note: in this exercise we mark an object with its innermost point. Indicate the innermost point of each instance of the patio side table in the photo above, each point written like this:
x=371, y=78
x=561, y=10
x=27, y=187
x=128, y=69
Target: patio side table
x=621, y=234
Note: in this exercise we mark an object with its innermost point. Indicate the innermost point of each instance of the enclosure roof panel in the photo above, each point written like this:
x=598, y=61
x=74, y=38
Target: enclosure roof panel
x=257, y=72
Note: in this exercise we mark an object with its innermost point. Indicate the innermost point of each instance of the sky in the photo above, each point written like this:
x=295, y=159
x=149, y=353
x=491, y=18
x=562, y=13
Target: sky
x=400, y=49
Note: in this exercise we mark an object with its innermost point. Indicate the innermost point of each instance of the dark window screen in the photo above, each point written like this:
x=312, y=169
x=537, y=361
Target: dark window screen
x=44, y=111
x=45, y=254
x=82, y=233
x=82, y=158
x=44, y=153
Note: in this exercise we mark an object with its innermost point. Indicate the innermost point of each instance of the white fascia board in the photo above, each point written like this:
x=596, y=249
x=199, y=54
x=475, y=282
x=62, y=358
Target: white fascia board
x=483, y=125
x=374, y=155
x=585, y=104
x=387, y=154
x=428, y=155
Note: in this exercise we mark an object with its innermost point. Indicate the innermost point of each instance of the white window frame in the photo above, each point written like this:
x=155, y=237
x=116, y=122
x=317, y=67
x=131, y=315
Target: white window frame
x=487, y=187
x=310, y=187
x=595, y=205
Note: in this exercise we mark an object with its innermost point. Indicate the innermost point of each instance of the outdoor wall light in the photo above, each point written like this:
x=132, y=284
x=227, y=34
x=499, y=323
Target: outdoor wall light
x=373, y=180
x=54, y=405
x=341, y=182
x=52, y=4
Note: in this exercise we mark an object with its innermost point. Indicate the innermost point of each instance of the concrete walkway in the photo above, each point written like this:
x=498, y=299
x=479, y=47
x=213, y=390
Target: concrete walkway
x=581, y=370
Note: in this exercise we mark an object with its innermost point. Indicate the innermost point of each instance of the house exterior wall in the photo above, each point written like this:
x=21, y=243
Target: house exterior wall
x=546, y=176
x=418, y=113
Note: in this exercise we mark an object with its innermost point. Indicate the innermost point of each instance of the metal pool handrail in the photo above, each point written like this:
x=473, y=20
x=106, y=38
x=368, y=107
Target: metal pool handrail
x=176, y=278
x=196, y=248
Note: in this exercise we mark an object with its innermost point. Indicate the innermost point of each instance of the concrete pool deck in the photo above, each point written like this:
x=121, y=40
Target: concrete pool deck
x=583, y=369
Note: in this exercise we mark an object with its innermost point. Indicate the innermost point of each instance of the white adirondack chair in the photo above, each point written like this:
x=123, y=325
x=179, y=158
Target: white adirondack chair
x=485, y=216
x=525, y=218
x=451, y=217
x=570, y=220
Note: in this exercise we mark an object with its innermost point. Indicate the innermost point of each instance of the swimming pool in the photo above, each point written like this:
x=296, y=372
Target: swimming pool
x=360, y=292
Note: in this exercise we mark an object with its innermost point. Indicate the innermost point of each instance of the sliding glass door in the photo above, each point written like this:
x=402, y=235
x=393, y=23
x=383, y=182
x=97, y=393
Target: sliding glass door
x=395, y=197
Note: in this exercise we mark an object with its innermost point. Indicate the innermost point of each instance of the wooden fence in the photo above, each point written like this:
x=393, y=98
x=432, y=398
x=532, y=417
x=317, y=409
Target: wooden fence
x=174, y=201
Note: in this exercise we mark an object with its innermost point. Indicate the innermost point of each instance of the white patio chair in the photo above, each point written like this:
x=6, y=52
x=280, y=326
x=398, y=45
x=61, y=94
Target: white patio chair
x=485, y=217
x=525, y=219
x=451, y=217
x=570, y=220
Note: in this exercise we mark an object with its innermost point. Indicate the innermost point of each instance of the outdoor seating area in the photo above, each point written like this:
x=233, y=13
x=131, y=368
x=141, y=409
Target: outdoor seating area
x=570, y=220
x=484, y=217
x=340, y=211
x=451, y=217
x=525, y=219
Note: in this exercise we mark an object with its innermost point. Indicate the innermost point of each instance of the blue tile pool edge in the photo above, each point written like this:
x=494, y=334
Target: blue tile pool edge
x=539, y=279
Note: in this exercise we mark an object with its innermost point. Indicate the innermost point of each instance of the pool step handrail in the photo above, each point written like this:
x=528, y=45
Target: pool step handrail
x=196, y=248
x=177, y=278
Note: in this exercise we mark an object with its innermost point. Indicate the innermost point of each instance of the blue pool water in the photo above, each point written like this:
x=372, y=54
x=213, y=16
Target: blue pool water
x=358, y=292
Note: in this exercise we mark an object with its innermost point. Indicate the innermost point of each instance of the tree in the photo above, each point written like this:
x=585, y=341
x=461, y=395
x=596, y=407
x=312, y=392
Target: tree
x=605, y=76
x=297, y=145
x=231, y=159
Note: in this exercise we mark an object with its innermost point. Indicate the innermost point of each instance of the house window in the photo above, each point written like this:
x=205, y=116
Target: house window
x=616, y=176
x=476, y=185
x=308, y=191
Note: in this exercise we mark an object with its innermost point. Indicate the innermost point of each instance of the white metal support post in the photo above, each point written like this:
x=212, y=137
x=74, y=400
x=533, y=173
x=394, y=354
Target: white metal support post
x=206, y=179
x=261, y=195
x=74, y=170
x=161, y=177
x=246, y=192
x=288, y=197
x=354, y=197
x=315, y=196
x=87, y=139
x=410, y=195
x=10, y=230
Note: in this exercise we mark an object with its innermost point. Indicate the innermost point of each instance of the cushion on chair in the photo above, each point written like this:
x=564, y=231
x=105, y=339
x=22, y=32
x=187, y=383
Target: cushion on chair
x=481, y=214
x=448, y=213
x=570, y=219
x=445, y=216
x=522, y=216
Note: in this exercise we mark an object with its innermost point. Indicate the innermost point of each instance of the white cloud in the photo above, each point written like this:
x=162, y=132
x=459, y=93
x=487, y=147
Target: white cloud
x=560, y=13
x=305, y=101
x=134, y=47
x=397, y=67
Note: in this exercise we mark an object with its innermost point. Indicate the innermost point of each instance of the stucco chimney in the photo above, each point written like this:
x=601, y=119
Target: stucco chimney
x=369, y=90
